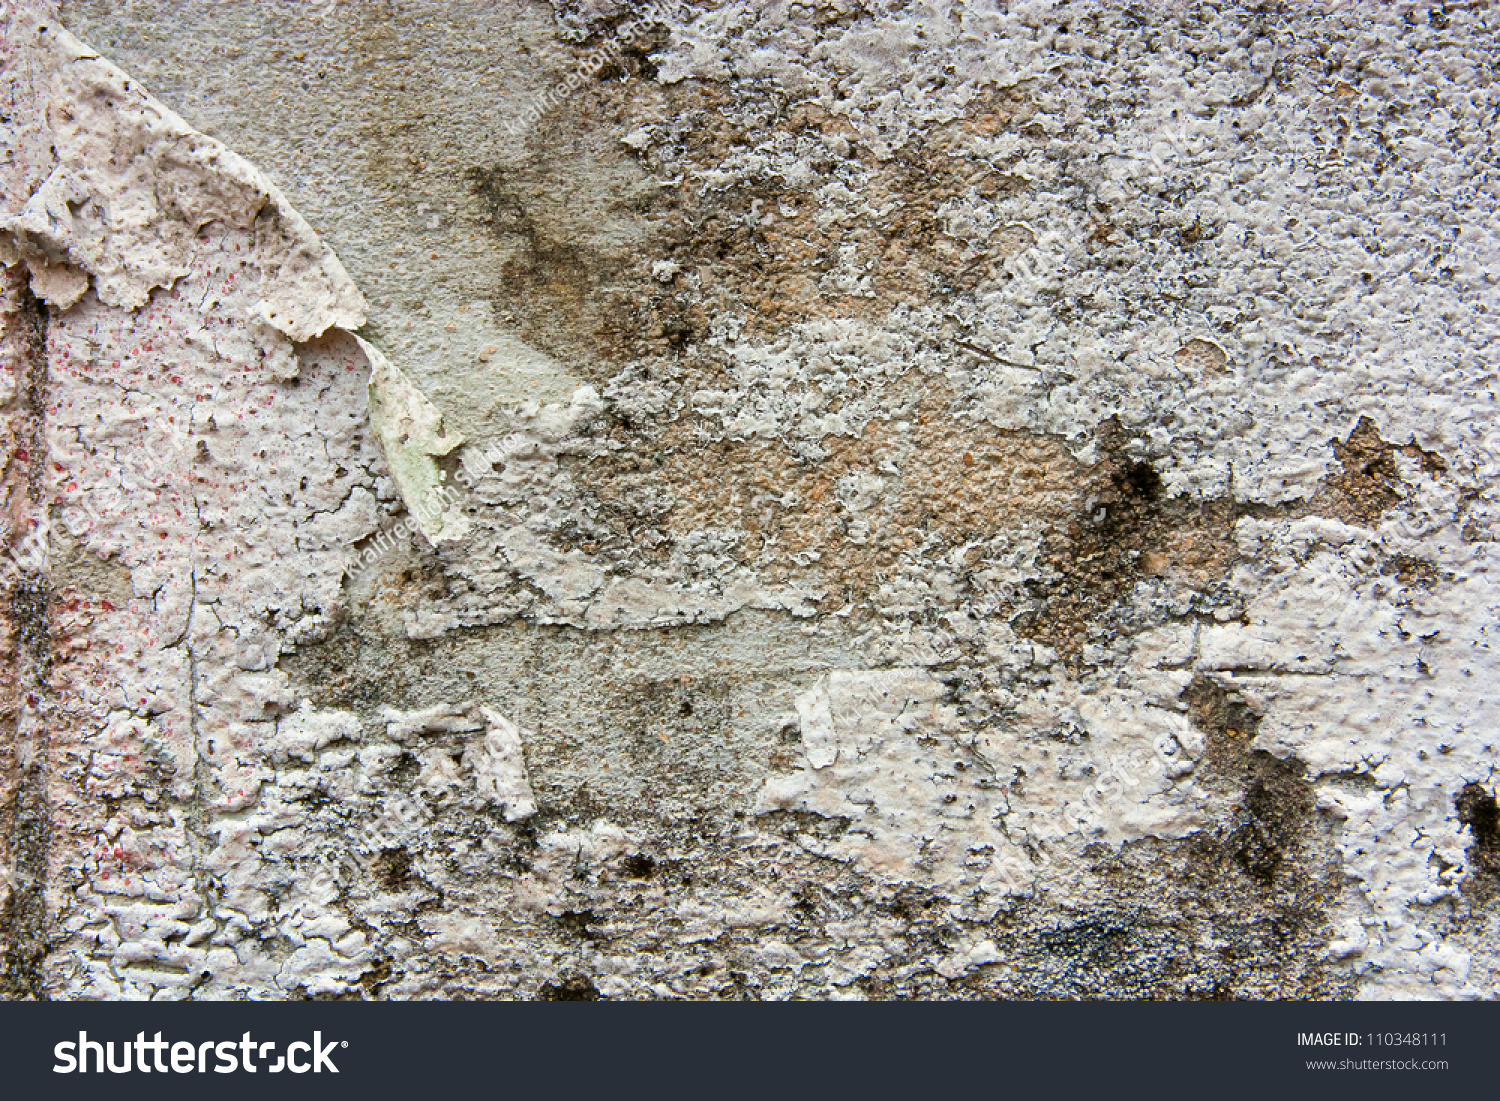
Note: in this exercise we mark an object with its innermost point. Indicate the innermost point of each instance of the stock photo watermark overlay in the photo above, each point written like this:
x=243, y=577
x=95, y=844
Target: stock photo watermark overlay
x=630, y=36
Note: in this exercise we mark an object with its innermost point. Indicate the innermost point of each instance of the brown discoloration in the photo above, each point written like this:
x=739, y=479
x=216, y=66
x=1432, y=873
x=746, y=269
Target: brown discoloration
x=24, y=814
x=1274, y=803
x=1127, y=529
x=1130, y=530
x=958, y=483
x=1412, y=572
x=1259, y=882
x=1476, y=808
x=574, y=988
x=576, y=225
x=393, y=868
x=1196, y=924
x=353, y=671
x=1368, y=482
x=1228, y=722
x=561, y=231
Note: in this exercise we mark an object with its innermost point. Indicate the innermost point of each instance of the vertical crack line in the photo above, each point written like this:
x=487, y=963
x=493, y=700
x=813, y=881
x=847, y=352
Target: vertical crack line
x=197, y=820
x=28, y=598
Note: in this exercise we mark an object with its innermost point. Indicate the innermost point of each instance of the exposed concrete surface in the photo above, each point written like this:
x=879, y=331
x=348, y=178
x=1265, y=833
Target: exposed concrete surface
x=835, y=499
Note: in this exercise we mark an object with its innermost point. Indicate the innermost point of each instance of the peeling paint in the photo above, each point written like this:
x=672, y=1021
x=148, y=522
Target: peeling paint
x=937, y=502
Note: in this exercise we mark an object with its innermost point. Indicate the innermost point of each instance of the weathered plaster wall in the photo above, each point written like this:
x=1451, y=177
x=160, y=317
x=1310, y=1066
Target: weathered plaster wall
x=831, y=499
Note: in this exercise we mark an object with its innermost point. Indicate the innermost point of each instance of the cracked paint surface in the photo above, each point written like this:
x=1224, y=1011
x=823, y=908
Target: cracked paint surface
x=916, y=500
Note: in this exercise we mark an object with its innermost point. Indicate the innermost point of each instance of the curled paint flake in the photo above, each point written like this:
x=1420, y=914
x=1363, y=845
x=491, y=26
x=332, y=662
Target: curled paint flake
x=133, y=186
x=500, y=767
x=410, y=431
x=128, y=197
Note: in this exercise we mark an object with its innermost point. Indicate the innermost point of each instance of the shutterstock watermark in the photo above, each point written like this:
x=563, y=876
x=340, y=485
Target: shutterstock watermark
x=473, y=464
x=630, y=34
x=158, y=1056
x=397, y=820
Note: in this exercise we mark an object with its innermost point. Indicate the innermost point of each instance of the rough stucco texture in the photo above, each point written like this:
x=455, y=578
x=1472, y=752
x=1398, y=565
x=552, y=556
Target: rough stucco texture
x=835, y=499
